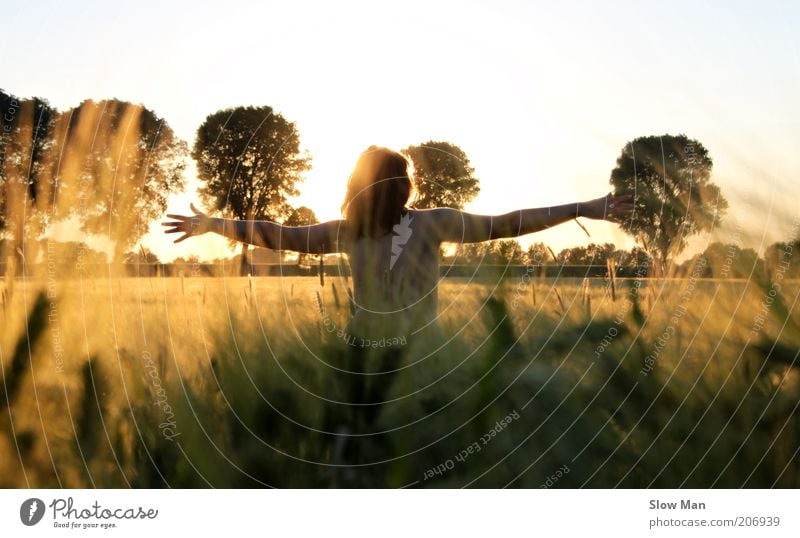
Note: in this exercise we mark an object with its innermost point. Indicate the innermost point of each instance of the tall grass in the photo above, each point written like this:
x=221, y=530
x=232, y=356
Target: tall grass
x=238, y=383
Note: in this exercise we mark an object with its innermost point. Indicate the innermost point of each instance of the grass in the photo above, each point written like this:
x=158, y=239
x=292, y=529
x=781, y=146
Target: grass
x=190, y=382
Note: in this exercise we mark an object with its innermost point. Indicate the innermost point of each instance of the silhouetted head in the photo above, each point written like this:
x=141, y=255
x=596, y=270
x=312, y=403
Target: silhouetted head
x=379, y=192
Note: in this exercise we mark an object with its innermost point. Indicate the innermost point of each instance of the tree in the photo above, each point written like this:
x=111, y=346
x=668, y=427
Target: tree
x=507, y=252
x=462, y=254
x=26, y=127
x=537, y=254
x=118, y=164
x=249, y=160
x=63, y=257
x=444, y=177
x=497, y=252
x=143, y=255
x=636, y=260
x=728, y=260
x=783, y=256
x=302, y=216
x=592, y=254
x=674, y=196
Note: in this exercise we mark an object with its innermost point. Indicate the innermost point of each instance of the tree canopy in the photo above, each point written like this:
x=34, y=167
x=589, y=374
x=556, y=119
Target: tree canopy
x=121, y=161
x=249, y=161
x=301, y=216
x=444, y=176
x=592, y=254
x=674, y=197
x=26, y=127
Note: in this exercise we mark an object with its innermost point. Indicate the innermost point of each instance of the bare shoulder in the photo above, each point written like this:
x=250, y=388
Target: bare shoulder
x=438, y=221
x=437, y=215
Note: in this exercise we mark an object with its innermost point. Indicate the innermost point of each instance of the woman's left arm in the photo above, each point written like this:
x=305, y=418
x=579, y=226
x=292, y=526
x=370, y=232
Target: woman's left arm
x=462, y=227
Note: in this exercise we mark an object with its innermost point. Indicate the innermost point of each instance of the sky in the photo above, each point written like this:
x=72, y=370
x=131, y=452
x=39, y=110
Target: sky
x=542, y=96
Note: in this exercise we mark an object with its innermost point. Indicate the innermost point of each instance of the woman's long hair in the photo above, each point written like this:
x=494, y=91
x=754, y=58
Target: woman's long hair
x=379, y=192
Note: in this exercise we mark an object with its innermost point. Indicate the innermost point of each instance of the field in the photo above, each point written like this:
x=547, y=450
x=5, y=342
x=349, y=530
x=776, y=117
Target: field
x=201, y=382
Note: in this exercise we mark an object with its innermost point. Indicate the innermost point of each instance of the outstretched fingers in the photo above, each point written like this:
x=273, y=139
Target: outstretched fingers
x=618, y=206
x=182, y=224
x=186, y=236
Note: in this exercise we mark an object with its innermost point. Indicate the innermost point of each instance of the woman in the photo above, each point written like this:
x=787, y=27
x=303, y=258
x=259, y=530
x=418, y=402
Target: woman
x=393, y=249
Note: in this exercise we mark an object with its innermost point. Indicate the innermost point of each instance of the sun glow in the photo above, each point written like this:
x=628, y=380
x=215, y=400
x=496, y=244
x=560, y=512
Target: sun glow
x=539, y=99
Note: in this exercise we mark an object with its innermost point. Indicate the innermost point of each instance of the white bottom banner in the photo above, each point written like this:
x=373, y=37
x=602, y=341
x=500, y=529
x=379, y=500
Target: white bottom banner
x=389, y=513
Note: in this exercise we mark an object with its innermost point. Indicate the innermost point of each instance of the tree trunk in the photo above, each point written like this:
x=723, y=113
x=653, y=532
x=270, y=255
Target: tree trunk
x=244, y=267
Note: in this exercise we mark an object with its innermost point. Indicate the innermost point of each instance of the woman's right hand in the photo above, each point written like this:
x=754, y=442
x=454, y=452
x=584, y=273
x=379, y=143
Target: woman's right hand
x=197, y=224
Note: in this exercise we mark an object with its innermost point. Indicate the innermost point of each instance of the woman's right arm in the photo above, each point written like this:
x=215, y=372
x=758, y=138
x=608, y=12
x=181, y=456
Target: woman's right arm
x=461, y=227
x=320, y=238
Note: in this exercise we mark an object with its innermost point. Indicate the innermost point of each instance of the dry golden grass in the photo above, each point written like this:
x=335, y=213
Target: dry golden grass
x=233, y=382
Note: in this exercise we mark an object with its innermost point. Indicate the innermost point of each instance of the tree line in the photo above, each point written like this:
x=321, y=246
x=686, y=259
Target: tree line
x=110, y=165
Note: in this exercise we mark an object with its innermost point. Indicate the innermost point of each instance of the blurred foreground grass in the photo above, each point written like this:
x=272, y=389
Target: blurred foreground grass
x=237, y=383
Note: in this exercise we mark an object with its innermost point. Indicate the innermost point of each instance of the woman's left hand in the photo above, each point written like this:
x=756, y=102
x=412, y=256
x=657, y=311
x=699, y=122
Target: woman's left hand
x=609, y=207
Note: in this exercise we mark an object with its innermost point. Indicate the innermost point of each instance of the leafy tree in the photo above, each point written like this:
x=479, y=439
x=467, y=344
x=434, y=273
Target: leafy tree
x=497, y=252
x=26, y=127
x=180, y=260
x=507, y=252
x=674, y=196
x=302, y=216
x=728, y=260
x=249, y=160
x=592, y=254
x=463, y=254
x=142, y=255
x=65, y=256
x=538, y=254
x=784, y=256
x=444, y=177
x=118, y=164
x=634, y=258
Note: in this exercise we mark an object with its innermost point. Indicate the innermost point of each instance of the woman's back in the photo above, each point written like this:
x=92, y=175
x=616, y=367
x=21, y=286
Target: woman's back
x=392, y=248
x=395, y=277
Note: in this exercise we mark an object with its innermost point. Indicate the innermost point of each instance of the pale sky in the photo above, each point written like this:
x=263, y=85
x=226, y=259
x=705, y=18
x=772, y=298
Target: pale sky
x=542, y=96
